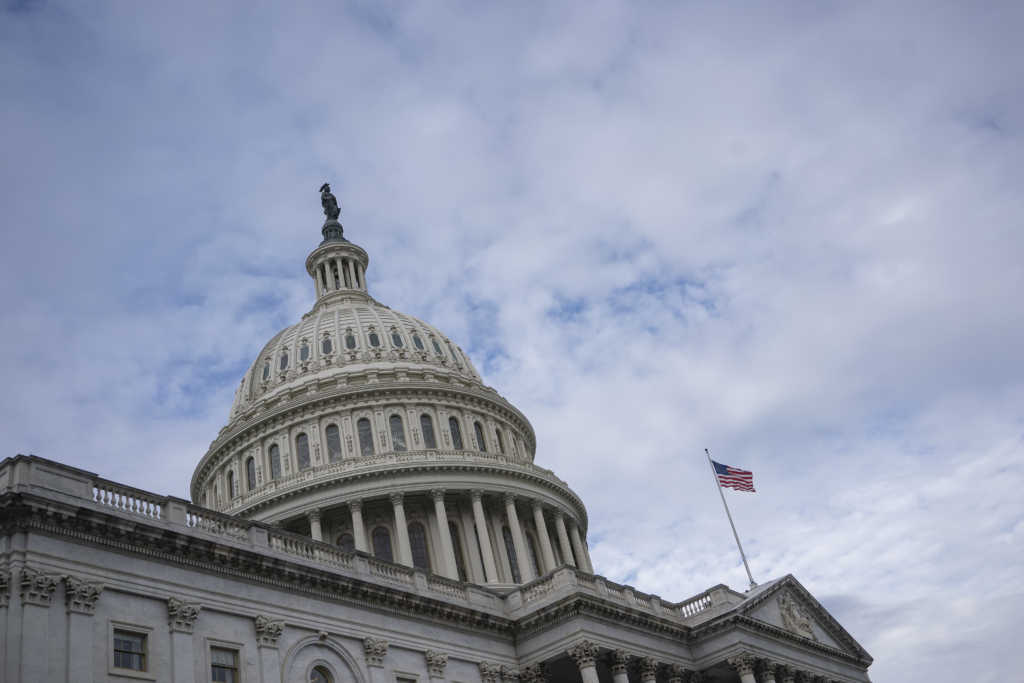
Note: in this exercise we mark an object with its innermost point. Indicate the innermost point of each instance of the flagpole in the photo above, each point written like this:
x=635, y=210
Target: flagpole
x=729, y=515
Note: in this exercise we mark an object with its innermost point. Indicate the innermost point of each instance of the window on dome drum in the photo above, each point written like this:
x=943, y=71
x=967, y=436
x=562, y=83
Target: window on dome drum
x=325, y=346
x=223, y=665
x=129, y=650
x=418, y=544
x=453, y=427
x=397, y=432
x=275, y=462
x=250, y=474
x=304, y=352
x=333, y=443
x=396, y=339
x=374, y=340
x=417, y=342
x=382, y=544
x=284, y=361
x=365, y=436
x=437, y=347
x=427, y=427
x=460, y=563
x=320, y=675
x=531, y=550
x=347, y=543
x=479, y=431
x=510, y=550
x=232, y=488
x=350, y=341
x=302, y=450
x=266, y=370
x=501, y=441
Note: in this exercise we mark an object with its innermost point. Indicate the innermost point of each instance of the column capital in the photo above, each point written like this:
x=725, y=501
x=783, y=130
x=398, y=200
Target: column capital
x=510, y=498
x=396, y=497
x=313, y=515
x=355, y=504
x=5, y=588
x=765, y=670
x=537, y=504
x=182, y=615
x=375, y=649
x=267, y=631
x=584, y=653
x=490, y=672
x=784, y=674
x=437, y=494
x=648, y=669
x=436, y=663
x=532, y=674
x=743, y=663
x=619, y=660
x=37, y=588
x=558, y=514
x=509, y=675
x=476, y=495
x=81, y=596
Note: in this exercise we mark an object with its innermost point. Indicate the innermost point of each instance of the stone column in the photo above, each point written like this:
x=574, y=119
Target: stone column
x=36, y=595
x=648, y=669
x=547, y=553
x=584, y=653
x=744, y=665
x=436, y=663
x=577, y=546
x=376, y=650
x=518, y=540
x=315, y=530
x=358, y=528
x=485, y=540
x=401, y=530
x=267, y=633
x=81, y=598
x=447, y=549
x=563, y=539
x=620, y=666
x=181, y=616
x=352, y=273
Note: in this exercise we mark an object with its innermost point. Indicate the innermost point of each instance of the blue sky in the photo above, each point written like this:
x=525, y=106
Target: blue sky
x=790, y=233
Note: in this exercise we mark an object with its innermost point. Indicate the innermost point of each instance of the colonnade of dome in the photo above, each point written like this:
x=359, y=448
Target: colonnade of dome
x=370, y=430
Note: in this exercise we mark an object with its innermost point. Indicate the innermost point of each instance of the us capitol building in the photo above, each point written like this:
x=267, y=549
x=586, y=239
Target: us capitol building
x=371, y=513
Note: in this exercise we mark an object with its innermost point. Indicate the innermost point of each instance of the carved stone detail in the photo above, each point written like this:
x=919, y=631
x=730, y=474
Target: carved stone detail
x=693, y=677
x=784, y=674
x=5, y=588
x=676, y=673
x=584, y=653
x=37, y=588
x=743, y=663
x=267, y=631
x=619, y=661
x=490, y=673
x=376, y=649
x=182, y=615
x=81, y=596
x=436, y=663
x=648, y=669
x=509, y=675
x=765, y=671
x=532, y=674
x=794, y=618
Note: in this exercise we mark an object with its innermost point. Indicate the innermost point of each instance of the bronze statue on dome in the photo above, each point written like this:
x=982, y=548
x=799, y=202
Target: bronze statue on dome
x=329, y=202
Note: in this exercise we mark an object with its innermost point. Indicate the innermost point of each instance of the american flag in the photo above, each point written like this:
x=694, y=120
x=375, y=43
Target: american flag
x=734, y=477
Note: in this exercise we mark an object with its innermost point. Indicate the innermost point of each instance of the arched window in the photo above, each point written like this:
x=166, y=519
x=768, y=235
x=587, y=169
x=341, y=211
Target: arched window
x=266, y=370
x=250, y=474
x=365, y=437
x=396, y=339
x=460, y=563
x=510, y=549
x=374, y=339
x=232, y=489
x=479, y=431
x=418, y=544
x=350, y=340
x=320, y=675
x=304, y=352
x=427, y=427
x=417, y=342
x=333, y=443
x=275, y=462
x=531, y=550
x=501, y=441
x=382, y=544
x=326, y=347
x=284, y=360
x=347, y=543
x=302, y=450
x=437, y=347
x=453, y=427
x=397, y=432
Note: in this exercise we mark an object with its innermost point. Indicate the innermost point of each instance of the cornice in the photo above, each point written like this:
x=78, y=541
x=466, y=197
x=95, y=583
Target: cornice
x=580, y=604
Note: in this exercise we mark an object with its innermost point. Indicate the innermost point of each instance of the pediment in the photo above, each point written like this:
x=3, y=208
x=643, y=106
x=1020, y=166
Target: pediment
x=788, y=605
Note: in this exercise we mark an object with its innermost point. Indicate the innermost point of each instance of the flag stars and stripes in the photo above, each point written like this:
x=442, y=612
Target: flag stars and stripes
x=734, y=477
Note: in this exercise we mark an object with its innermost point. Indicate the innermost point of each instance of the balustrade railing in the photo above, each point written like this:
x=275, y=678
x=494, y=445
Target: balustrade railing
x=696, y=604
x=127, y=499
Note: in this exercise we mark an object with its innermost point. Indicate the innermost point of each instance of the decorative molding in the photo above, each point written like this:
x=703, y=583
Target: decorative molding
x=376, y=649
x=436, y=663
x=619, y=661
x=267, y=631
x=182, y=615
x=81, y=596
x=584, y=653
x=490, y=673
x=509, y=675
x=794, y=617
x=37, y=588
x=743, y=663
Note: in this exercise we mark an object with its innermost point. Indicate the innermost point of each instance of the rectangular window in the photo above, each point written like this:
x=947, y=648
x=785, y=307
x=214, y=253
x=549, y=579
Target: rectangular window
x=223, y=665
x=129, y=650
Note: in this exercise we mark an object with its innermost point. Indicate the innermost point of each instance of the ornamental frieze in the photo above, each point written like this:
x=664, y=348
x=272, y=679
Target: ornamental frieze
x=794, y=618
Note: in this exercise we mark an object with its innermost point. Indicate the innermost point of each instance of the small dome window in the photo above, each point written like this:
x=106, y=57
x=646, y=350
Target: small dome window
x=333, y=442
x=427, y=427
x=501, y=441
x=350, y=340
x=374, y=339
x=275, y=462
x=453, y=427
x=326, y=346
x=397, y=432
x=284, y=360
x=417, y=342
x=437, y=347
x=365, y=436
x=479, y=431
x=302, y=451
x=266, y=371
x=396, y=339
x=304, y=351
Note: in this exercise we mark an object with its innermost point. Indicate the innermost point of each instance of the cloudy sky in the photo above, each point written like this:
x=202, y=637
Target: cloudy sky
x=789, y=232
